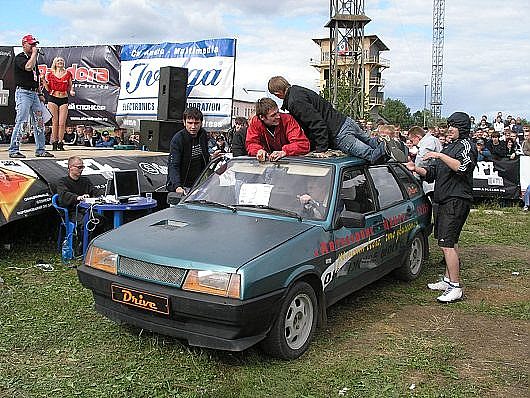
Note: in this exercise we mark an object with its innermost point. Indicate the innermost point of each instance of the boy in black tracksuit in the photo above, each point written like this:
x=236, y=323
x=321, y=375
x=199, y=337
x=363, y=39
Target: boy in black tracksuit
x=453, y=193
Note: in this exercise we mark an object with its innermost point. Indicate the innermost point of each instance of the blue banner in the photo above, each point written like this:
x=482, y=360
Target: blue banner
x=195, y=49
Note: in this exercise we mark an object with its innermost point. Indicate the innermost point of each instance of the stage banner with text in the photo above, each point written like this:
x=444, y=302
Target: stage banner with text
x=24, y=184
x=497, y=179
x=210, y=65
x=7, y=85
x=96, y=72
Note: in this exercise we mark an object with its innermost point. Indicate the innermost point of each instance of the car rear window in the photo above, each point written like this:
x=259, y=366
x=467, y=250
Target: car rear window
x=411, y=184
x=387, y=188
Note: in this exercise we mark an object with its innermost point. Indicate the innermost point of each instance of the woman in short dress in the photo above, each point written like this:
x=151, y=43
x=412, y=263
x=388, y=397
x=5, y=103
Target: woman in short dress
x=58, y=83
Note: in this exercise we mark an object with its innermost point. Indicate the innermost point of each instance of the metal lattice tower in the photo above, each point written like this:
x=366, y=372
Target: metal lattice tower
x=438, y=14
x=346, y=58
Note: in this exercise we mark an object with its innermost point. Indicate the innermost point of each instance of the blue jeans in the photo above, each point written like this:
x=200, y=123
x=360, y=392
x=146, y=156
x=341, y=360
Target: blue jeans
x=527, y=196
x=356, y=142
x=28, y=107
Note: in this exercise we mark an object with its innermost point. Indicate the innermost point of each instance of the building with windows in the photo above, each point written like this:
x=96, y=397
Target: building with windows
x=243, y=108
x=374, y=65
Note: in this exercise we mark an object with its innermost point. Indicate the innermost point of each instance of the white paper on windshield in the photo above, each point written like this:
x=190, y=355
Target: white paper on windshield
x=255, y=194
x=227, y=179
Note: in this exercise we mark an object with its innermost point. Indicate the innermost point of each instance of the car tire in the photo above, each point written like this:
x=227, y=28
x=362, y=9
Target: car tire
x=414, y=258
x=295, y=325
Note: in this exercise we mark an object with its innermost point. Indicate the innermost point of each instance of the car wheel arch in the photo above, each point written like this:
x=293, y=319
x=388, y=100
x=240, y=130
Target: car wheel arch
x=311, y=277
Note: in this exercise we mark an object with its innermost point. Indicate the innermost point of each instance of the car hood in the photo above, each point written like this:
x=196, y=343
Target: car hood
x=196, y=238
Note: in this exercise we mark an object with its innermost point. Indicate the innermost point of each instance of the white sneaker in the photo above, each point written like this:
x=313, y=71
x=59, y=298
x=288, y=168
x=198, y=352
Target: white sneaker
x=451, y=295
x=525, y=208
x=440, y=285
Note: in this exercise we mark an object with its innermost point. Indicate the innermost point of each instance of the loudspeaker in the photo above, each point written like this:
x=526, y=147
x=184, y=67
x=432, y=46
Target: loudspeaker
x=172, y=92
x=156, y=135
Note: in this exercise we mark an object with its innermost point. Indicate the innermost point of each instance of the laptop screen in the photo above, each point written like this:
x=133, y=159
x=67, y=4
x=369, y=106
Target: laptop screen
x=126, y=184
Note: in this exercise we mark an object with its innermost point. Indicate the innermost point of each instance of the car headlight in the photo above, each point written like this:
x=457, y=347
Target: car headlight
x=101, y=259
x=210, y=282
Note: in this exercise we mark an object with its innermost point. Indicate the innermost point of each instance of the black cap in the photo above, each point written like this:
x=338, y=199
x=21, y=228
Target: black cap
x=461, y=121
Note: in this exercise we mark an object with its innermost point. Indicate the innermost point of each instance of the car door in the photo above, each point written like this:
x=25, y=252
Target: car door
x=396, y=211
x=358, y=248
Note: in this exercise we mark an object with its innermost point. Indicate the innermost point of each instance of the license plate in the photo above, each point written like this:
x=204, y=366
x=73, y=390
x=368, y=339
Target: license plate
x=138, y=299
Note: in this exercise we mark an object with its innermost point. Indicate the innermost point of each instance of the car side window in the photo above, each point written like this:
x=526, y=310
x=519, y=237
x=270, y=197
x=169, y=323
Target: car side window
x=410, y=183
x=360, y=198
x=387, y=188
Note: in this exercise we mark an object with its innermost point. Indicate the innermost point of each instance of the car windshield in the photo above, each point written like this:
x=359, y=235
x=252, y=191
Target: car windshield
x=287, y=188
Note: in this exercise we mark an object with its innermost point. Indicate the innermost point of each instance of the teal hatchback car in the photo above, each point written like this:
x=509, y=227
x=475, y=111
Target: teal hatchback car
x=257, y=251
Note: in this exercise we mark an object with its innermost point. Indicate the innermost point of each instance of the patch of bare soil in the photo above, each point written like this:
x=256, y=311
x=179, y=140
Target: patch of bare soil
x=489, y=348
x=497, y=252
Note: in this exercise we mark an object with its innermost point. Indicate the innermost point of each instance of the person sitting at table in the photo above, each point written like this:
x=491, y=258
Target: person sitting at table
x=72, y=189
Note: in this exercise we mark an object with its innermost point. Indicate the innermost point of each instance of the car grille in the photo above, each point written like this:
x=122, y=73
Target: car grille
x=151, y=272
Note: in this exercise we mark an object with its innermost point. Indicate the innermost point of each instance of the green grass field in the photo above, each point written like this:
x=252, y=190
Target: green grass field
x=390, y=339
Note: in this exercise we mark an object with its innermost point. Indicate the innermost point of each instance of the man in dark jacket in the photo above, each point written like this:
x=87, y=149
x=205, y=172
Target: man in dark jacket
x=453, y=193
x=327, y=128
x=74, y=188
x=188, y=153
x=239, y=137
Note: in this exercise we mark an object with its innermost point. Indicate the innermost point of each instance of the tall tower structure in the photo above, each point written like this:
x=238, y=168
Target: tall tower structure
x=346, y=36
x=438, y=14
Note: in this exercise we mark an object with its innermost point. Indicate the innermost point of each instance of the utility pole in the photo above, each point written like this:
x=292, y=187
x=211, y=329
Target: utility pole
x=425, y=105
x=346, y=58
x=437, y=58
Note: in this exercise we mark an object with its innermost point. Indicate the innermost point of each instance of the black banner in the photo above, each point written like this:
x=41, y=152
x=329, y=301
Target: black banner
x=497, y=179
x=24, y=184
x=7, y=86
x=96, y=73
x=96, y=81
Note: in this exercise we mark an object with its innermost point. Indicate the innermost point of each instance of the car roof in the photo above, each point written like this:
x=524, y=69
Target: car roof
x=340, y=161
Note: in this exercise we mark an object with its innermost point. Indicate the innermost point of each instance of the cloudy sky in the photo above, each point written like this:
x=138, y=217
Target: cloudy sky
x=486, y=52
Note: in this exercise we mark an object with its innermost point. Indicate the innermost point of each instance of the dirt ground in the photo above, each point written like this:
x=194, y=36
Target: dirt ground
x=487, y=343
x=493, y=349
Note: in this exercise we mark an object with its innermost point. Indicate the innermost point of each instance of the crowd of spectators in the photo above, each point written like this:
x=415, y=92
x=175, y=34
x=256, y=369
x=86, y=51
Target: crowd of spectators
x=502, y=139
x=79, y=135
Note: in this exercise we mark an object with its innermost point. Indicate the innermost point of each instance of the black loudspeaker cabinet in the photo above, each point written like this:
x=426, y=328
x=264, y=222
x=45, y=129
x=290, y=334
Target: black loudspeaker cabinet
x=156, y=135
x=172, y=92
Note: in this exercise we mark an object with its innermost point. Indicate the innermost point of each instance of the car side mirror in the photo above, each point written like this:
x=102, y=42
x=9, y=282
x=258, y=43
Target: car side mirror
x=350, y=219
x=174, y=198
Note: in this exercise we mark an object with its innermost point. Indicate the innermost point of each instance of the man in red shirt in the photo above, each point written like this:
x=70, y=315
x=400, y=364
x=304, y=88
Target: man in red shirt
x=273, y=134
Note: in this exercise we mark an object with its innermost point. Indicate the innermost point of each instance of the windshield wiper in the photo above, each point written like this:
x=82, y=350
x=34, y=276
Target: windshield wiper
x=211, y=203
x=288, y=213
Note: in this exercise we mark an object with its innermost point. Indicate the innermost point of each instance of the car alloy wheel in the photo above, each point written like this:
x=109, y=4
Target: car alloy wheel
x=414, y=257
x=298, y=321
x=295, y=325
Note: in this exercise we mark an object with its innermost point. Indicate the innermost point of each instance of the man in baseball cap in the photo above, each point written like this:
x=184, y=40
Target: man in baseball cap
x=453, y=192
x=30, y=40
x=28, y=97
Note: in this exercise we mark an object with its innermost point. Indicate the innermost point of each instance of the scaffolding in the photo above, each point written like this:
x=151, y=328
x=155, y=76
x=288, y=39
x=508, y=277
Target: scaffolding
x=437, y=58
x=346, y=59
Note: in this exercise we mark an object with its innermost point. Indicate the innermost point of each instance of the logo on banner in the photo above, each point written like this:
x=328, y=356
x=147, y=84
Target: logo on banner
x=141, y=74
x=83, y=74
x=13, y=187
x=486, y=171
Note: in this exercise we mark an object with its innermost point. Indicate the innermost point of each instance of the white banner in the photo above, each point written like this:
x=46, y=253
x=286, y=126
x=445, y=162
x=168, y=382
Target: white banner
x=524, y=167
x=210, y=65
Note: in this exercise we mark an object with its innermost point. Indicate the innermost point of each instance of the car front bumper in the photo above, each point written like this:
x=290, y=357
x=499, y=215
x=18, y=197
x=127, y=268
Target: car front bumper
x=203, y=320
